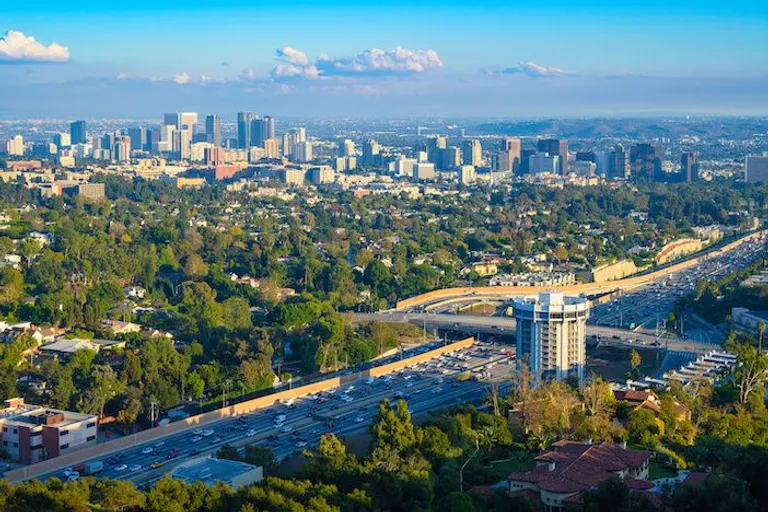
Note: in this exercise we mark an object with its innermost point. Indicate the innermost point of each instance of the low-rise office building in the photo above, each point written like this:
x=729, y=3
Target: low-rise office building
x=31, y=433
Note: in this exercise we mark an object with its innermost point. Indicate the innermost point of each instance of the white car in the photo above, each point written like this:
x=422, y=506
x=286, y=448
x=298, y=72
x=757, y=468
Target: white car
x=301, y=444
x=250, y=433
x=286, y=429
x=207, y=432
x=197, y=431
x=135, y=467
x=73, y=476
x=159, y=444
x=121, y=467
x=360, y=419
x=196, y=439
x=147, y=450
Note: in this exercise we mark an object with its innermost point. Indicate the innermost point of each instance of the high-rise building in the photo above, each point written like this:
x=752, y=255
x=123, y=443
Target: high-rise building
x=645, y=161
x=689, y=166
x=472, y=153
x=347, y=148
x=556, y=147
x=181, y=143
x=244, y=129
x=15, y=146
x=525, y=158
x=434, y=146
x=213, y=130
x=618, y=163
x=172, y=119
x=512, y=147
x=542, y=163
x=62, y=140
x=302, y=152
x=424, y=171
x=77, y=132
x=121, y=148
x=467, y=174
x=371, y=153
x=551, y=334
x=138, y=138
x=450, y=158
x=271, y=148
x=188, y=122
x=263, y=129
x=756, y=169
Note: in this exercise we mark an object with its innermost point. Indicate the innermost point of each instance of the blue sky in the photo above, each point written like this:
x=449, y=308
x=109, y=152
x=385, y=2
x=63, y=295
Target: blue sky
x=454, y=58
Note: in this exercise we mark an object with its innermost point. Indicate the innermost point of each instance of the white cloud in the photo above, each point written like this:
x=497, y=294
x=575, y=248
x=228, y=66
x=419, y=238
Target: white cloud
x=293, y=56
x=15, y=46
x=376, y=61
x=531, y=69
x=293, y=64
x=181, y=78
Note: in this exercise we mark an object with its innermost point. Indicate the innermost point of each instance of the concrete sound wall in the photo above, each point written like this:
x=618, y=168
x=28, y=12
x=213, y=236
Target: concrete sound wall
x=104, y=449
x=587, y=288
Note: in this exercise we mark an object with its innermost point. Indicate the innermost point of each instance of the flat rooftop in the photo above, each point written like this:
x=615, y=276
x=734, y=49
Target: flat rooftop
x=209, y=471
x=29, y=414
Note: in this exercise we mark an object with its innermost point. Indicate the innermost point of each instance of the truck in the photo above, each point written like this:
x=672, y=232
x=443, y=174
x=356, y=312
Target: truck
x=91, y=468
x=464, y=376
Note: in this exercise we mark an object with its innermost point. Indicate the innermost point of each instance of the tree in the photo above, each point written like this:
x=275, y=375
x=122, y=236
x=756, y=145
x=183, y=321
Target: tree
x=634, y=361
x=195, y=267
x=456, y=501
x=29, y=248
x=561, y=253
x=11, y=285
x=392, y=426
x=118, y=495
x=643, y=427
x=195, y=385
x=132, y=371
x=751, y=369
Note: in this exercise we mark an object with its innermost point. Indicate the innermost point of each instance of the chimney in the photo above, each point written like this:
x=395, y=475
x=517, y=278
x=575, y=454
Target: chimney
x=551, y=465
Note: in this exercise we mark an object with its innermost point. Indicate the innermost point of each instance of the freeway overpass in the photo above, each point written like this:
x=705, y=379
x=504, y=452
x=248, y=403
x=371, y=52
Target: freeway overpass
x=507, y=326
x=448, y=296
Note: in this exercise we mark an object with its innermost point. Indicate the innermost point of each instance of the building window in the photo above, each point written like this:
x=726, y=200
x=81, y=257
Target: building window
x=5, y=443
x=91, y=424
x=5, y=429
x=15, y=445
x=62, y=433
x=90, y=438
x=15, y=431
x=64, y=446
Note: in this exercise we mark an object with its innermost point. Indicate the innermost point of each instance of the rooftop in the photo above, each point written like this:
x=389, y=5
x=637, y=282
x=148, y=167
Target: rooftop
x=211, y=470
x=20, y=413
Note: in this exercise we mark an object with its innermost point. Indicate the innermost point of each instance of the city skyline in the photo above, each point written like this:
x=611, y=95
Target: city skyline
x=326, y=59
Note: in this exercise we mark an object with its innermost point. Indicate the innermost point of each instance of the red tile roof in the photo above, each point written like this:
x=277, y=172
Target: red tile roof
x=579, y=466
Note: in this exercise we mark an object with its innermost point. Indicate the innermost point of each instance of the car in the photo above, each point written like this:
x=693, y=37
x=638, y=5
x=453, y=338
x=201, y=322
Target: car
x=272, y=437
x=250, y=433
x=159, y=443
x=215, y=440
x=194, y=451
x=286, y=429
x=67, y=472
x=73, y=476
x=121, y=467
x=196, y=439
x=207, y=432
x=301, y=444
x=135, y=467
x=197, y=431
x=147, y=450
x=360, y=419
x=157, y=464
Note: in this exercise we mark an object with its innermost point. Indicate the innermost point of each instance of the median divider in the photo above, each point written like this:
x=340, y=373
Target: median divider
x=104, y=449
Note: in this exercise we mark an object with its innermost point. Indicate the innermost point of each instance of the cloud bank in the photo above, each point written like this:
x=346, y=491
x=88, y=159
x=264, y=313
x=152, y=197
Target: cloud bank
x=15, y=46
x=293, y=63
x=533, y=70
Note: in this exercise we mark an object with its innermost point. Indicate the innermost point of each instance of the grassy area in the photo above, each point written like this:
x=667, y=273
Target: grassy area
x=612, y=363
x=522, y=461
x=480, y=309
x=658, y=470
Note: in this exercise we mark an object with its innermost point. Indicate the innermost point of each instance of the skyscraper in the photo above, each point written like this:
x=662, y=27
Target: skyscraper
x=556, y=147
x=213, y=130
x=188, y=121
x=689, y=166
x=512, y=148
x=551, y=334
x=645, y=161
x=371, y=152
x=472, y=153
x=434, y=147
x=618, y=163
x=756, y=169
x=15, y=146
x=77, y=133
x=138, y=138
x=172, y=119
x=263, y=129
x=244, y=129
x=347, y=148
x=62, y=140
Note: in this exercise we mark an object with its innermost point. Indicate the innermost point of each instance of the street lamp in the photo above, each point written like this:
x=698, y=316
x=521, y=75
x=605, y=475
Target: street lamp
x=461, y=471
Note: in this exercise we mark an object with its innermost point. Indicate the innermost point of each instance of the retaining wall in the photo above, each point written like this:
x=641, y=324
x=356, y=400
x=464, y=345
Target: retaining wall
x=104, y=449
x=586, y=288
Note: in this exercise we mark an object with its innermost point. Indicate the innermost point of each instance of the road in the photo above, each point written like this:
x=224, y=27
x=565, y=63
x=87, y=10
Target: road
x=427, y=387
x=507, y=326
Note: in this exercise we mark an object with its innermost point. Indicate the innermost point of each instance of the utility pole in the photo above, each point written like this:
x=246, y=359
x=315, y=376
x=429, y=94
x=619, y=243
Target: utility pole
x=224, y=392
x=461, y=471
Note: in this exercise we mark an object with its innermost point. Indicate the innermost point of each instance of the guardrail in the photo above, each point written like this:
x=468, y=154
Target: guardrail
x=104, y=449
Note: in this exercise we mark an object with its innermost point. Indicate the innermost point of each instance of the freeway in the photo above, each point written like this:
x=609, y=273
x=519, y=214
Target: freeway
x=288, y=428
x=507, y=326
